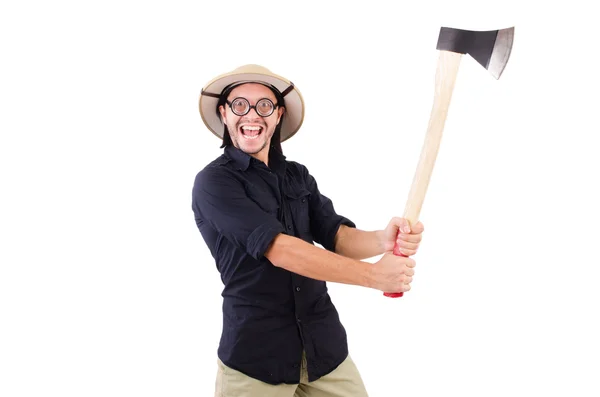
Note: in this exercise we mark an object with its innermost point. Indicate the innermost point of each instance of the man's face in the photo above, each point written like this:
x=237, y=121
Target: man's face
x=251, y=132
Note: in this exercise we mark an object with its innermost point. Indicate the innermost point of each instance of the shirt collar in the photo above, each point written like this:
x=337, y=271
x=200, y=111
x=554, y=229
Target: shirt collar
x=243, y=160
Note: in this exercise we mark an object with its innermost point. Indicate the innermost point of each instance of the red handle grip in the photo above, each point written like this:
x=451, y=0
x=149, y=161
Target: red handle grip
x=395, y=294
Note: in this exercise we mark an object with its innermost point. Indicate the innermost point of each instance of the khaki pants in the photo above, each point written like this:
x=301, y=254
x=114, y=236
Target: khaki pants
x=344, y=381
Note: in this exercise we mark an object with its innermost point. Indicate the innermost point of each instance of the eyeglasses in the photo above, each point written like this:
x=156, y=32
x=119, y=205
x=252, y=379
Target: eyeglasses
x=240, y=107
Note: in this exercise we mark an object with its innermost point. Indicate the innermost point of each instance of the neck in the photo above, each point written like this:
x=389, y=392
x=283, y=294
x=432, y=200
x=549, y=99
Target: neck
x=263, y=155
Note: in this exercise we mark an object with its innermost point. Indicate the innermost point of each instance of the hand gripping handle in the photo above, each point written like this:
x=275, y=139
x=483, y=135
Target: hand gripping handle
x=395, y=294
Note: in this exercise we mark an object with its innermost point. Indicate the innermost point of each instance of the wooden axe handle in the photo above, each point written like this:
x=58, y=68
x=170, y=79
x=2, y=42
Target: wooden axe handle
x=447, y=70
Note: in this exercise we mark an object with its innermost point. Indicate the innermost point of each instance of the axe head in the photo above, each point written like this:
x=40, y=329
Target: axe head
x=491, y=48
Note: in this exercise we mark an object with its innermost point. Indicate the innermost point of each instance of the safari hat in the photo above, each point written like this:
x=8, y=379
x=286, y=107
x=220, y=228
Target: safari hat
x=211, y=93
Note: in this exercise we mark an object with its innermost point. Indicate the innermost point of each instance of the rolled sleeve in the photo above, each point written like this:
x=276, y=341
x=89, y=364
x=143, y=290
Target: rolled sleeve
x=220, y=200
x=260, y=239
x=324, y=220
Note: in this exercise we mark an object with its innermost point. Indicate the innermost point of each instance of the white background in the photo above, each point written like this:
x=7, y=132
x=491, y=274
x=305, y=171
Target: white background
x=106, y=287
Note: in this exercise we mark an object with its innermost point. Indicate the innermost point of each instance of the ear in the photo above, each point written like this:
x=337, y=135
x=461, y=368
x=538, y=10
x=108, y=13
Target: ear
x=222, y=111
x=280, y=112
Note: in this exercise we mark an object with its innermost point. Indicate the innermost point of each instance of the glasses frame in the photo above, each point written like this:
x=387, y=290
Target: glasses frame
x=251, y=106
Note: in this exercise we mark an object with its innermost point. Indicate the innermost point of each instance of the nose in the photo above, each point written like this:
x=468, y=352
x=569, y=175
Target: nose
x=253, y=110
x=252, y=115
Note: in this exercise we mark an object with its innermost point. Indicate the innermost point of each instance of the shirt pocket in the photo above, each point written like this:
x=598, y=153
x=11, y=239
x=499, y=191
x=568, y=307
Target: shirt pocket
x=299, y=199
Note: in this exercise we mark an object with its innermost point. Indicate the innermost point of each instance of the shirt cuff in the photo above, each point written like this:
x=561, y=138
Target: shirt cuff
x=260, y=239
x=329, y=243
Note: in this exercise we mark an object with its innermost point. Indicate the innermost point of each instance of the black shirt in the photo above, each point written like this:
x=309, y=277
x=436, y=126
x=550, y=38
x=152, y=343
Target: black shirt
x=269, y=314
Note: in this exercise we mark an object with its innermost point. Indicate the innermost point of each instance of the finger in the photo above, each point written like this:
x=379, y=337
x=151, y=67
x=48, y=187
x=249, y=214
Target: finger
x=410, y=238
x=407, y=244
x=406, y=252
x=418, y=228
x=396, y=221
x=402, y=224
x=401, y=287
x=409, y=272
x=405, y=228
x=402, y=244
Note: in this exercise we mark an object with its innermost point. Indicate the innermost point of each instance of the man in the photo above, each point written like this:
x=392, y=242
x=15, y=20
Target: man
x=260, y=215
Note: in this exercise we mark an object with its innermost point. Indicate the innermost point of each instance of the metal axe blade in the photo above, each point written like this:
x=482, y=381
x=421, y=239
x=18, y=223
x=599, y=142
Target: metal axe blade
x=491, y=48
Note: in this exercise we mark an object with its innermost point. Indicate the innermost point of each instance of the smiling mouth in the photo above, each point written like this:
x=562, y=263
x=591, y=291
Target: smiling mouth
x=251, y=132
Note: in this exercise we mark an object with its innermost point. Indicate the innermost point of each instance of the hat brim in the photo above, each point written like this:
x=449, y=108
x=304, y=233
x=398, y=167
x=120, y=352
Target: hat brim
x=294, y=103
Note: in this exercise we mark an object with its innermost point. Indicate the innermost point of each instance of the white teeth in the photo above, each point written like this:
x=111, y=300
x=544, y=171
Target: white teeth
x=248, y=128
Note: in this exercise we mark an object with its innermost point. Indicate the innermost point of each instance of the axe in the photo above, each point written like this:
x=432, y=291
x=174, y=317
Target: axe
x=492, y=50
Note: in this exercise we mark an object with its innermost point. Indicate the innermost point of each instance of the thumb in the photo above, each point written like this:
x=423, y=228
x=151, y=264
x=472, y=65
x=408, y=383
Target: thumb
x=404, y=225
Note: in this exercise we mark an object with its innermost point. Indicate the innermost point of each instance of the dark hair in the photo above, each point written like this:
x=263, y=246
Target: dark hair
x=276, y=139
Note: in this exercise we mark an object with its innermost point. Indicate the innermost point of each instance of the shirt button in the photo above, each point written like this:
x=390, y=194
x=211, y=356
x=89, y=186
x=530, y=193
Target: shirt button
x=289, y=227
x=298, y=289
x=298, y=320
x=303, y=200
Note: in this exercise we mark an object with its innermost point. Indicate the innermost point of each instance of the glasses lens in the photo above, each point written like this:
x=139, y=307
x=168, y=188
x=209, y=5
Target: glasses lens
x=264, y=107
x=240, y=106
